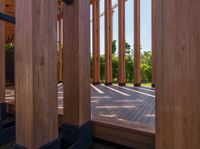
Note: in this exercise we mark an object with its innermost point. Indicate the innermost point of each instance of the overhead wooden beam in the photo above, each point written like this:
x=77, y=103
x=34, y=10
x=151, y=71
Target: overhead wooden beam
x=96, y=42
x=36, y=74
x=153, y=9
x=177, y=74
x=76, y=130
x=137, y=78
x=108, y=42
x=121, y=23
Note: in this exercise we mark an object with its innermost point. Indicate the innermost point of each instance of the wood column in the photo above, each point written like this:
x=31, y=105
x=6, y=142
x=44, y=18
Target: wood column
x=137, y=79
x=108, y=42
x=36, y=74
x=177, y=74
x=60, y=61
x=96, y=42
x=76, y=70
x=121, y=23
x=153, y=9
x=2, y=56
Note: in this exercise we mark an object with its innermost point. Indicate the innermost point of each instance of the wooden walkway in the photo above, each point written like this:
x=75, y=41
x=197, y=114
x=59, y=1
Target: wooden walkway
x=117, y=103
x=124, y=103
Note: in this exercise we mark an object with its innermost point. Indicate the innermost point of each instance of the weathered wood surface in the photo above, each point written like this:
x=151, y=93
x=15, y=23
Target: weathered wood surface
x=76, y=62
x=36, y=73
x=177, y=74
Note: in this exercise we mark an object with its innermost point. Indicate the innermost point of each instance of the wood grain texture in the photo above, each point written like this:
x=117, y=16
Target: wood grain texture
x=2, y=55
x=60, y=59
x=76, y=62
x=96, y=41
x=153, y=12
x=121, y=19
x=36, y=73
x=177, y=78
x=137, y=78
x=108, y=41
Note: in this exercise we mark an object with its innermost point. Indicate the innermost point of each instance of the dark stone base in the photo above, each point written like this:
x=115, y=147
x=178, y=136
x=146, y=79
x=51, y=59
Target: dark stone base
x=137, y=84
x=2, y=111
x=76, y=137
x=7, y=128
x=122, y=84
x=51, y=145
x=108, y=84
x=153, y=85
x=60, y=81
x=96, y=83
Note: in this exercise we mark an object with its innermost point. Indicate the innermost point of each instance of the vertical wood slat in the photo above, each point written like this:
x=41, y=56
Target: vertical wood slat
x=153, y=9
x=2, y=55
x=96, y=42
x=36, y=73
x=137, y=78
x=177, y=74
x=108, y=42
x=122, y=70
x=76, y=62
x=60, y=66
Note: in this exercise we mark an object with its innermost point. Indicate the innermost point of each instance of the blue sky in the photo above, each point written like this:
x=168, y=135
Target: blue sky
x=145, y=24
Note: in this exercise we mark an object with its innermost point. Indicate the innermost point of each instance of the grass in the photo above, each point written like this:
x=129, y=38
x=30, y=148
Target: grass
x=143, y=84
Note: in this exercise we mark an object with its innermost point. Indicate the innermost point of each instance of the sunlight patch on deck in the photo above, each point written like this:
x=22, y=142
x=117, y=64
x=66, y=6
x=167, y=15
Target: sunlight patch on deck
x=136, y=91
x=117, y=91
x=96, y=89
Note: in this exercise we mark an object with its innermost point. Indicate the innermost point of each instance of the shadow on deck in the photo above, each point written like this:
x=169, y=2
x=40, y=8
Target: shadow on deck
x=122, y=115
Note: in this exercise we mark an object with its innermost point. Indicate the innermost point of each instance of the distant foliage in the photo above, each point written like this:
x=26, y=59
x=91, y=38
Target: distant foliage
x=146, y=65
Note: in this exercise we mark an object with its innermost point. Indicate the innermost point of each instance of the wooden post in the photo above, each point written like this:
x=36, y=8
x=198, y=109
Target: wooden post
x=76, y=130
x=96, y=44
x=60, y=61
x=122, y=65
x=177, y=74
x=153, y=9
x=2, y=64
x=137, y=80
x=108, y=42
x=2, y=56
x=36, y=74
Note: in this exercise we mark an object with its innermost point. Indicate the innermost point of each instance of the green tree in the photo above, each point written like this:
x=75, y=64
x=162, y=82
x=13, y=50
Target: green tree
x=146, y=66
x=114, y=46
x=128, y=48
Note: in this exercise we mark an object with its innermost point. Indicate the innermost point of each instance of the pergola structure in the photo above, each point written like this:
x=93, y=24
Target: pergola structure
x=108, y=42
x=177, y=34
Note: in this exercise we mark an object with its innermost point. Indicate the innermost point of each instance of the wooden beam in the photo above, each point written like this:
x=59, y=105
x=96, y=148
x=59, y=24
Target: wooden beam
x=137, y=79
x=108, y=42
x=153, y=9
x=36, y=74
x=96, y=42
x=121, y=23
x=177, y=74
x=76, y=74
x=60, y=61
x=2, y=56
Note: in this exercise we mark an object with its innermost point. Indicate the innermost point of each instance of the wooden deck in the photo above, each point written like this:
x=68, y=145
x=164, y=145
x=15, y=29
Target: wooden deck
x=118, y=113
x=114, y=102
x=124, y=103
